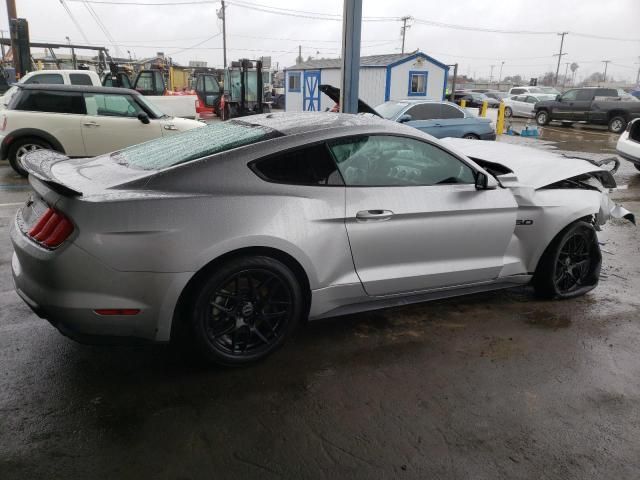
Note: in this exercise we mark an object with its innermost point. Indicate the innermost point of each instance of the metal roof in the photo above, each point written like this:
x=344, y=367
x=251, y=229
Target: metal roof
x=366, y=61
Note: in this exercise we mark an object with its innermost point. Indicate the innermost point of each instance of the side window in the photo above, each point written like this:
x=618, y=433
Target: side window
x=517, y=91
x=200, y=83
x=585, y=95
x=531, y=100
x=379, y=161
x=47, y=78
x=449, y=111
x=570, y=96
x=51, y=102
x=111, y=105
x=80, y=79
x=425, y=111
x=519, y=98
x=417, y=84
x=607, y=92
x=306, y=166
x=294, y=82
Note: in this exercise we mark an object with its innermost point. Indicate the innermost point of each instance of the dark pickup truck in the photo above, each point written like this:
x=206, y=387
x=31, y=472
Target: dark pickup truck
x=601, y=106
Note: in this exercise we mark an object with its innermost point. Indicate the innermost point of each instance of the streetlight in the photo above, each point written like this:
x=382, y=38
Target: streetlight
x=129, y=52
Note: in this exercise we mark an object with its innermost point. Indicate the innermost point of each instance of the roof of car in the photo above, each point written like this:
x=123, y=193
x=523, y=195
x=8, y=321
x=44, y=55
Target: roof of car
x=304, y=122
x=76, y=88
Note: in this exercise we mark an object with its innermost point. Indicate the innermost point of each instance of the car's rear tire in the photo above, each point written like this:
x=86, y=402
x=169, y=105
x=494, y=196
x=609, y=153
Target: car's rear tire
x=22, y=146
x=542, y=118
x=471, y=136
x=508, y=112
x=570, y=266
x=245, y=309
x=617, y=124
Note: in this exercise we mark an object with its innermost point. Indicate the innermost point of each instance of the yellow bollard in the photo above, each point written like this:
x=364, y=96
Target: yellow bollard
x=463, y=103
x=483, y=109
x=500, y=122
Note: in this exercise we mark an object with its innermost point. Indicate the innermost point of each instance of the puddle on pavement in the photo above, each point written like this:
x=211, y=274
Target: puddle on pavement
x=546, y=320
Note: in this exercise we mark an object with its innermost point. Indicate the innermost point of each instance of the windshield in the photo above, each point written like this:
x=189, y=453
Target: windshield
x=545, y=96
x=155, y=111
x=390, y=109
x=196, y=143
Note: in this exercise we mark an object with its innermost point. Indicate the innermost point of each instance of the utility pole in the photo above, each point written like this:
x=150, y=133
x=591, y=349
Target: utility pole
x=491, y=74
x=500, y=77
x=223, y=16
x=403, y=30
x=11, y=13
x=560, y=56
x=606, y=64
x=566, y=70
x=453, y=82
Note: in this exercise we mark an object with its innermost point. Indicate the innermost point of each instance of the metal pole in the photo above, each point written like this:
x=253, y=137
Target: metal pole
x=491, y=74
x=11, y=13
x=559, y=56
x=453, y=82
x=500, y=77
x=351, y=27
x=224, y=35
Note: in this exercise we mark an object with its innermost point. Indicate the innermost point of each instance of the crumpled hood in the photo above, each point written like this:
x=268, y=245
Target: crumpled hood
x=533, y=167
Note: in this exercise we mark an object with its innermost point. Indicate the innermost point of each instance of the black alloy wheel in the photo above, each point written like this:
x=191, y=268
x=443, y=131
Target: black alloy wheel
x=246, y=310
x=571, y=264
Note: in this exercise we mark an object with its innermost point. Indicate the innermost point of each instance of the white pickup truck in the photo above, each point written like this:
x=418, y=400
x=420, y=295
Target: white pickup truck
x=173, y=105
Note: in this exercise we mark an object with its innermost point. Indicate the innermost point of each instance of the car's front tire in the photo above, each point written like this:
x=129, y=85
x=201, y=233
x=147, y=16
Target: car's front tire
x=245, y=309
x=542, y=118
x=570, y=266
x=21, y=147
x=471, y=136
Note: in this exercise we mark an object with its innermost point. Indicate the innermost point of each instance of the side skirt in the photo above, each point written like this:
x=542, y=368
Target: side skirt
x=330, y=301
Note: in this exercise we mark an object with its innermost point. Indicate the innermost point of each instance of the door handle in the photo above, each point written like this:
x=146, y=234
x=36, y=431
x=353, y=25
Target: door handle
x=170, y=127
x=91, y=124
x=373, y=215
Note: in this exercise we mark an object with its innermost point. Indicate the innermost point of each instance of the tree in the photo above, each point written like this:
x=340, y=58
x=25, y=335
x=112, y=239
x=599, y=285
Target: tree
x=594, y=79
x=548, y=79
x=574, y=66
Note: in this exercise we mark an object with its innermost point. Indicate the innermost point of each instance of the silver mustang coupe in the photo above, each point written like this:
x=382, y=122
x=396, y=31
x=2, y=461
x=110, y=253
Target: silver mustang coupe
x=235, y=232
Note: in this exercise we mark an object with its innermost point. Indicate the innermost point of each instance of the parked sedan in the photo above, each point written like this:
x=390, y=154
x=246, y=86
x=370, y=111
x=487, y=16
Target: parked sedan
x=523, y=105
x=628, y=146
x=80, y=121
x=475, y=100
x=228, y=236
x=438, y=118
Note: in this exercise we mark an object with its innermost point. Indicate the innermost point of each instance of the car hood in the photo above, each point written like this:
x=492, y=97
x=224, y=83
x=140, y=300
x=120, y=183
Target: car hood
x=533, y=167
x=334, y=94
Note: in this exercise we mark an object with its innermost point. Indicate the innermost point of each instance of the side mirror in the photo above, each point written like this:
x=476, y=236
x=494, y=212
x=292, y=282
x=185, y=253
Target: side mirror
x=484, y=182
x=144, y=118
x=405, y=118
x=558, y=98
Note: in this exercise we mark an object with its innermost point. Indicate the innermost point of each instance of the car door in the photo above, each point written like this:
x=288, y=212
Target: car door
x=57, y=112
x=582, y=104
x=208, y=90
x=530, y=102
x=564, y=107
x=112, y=123
x=519, y=105
x=414, y=218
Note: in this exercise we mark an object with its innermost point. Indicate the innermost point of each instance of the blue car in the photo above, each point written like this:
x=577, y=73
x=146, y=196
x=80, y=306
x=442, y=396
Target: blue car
x=438, y=118
x=435, y=117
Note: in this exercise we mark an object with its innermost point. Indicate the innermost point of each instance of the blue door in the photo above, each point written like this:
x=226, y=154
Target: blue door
x=311, y=91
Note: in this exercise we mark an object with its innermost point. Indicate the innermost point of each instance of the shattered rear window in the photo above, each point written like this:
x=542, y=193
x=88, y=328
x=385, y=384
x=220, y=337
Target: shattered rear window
x=193, y=144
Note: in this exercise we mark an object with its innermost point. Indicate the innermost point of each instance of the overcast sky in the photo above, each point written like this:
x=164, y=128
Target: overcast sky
x=144, y=30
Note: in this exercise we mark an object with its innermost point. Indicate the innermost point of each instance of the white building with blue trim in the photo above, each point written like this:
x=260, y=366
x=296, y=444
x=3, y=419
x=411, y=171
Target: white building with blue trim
x=382, y=77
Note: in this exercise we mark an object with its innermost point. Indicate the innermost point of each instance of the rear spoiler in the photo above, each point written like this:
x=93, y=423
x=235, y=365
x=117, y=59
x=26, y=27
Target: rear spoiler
x=39, y=164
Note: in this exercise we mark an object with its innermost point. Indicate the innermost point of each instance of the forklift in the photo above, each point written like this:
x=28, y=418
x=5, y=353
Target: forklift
x=242, y=92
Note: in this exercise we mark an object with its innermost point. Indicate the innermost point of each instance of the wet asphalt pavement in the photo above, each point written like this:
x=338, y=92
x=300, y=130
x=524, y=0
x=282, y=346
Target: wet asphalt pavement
x=497, y=385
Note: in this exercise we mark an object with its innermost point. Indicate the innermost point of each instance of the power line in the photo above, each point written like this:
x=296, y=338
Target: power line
x=196, y=45
x=73, y=19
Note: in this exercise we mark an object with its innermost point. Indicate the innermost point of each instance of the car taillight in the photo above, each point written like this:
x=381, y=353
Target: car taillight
x=51, y=229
